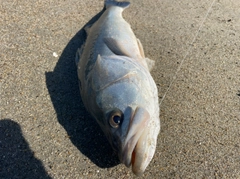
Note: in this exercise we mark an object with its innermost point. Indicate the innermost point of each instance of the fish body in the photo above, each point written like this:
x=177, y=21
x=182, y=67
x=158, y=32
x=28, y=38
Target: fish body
x=117, y=88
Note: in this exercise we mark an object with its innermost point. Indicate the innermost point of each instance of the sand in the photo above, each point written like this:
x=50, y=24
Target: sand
x=45, y=131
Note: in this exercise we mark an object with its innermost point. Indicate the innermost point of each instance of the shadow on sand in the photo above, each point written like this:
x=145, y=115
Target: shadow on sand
x=16, y=158
x=83, y=130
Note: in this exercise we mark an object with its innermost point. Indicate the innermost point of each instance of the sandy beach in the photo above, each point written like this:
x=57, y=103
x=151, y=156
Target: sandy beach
x=45, y=131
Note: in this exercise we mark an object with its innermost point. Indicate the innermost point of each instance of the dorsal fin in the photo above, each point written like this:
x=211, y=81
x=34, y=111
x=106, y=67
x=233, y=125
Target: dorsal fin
x=117, y=47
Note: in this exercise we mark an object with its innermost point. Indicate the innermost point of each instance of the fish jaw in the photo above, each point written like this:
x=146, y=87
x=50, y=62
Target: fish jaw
x=142, y=154
x=137, y=147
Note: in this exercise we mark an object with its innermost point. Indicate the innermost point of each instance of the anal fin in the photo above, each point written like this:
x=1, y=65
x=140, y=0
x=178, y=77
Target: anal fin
x=150, y=63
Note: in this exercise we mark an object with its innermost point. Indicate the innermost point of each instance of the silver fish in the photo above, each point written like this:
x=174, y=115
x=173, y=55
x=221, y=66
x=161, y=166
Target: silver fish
x=117, y=88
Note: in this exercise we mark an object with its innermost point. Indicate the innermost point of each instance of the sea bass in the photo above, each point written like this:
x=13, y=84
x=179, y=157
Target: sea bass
x=117, y=88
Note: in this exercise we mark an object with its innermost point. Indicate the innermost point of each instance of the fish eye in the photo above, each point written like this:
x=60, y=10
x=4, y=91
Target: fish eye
x=115, y=118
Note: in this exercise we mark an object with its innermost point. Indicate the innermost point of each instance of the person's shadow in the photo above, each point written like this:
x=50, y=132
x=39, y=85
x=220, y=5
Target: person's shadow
x=81, y=128
x=16, y=158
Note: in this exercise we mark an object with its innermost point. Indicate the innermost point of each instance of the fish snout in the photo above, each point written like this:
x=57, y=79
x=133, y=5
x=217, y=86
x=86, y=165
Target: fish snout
x=136, y=148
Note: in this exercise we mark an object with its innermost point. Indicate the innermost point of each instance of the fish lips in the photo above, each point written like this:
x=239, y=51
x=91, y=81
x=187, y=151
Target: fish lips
x=135, y=146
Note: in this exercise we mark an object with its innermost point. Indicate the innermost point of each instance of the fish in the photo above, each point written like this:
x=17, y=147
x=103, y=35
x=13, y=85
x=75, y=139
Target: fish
x=117, y=88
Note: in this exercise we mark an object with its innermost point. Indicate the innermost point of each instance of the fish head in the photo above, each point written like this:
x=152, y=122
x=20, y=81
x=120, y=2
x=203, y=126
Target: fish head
x=128, y=111
x=131, y=135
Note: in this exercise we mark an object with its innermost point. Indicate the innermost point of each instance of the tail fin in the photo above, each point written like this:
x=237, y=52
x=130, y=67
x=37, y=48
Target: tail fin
x=109, y=3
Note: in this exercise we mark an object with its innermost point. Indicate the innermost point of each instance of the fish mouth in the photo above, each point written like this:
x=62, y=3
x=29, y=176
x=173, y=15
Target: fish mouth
x=136, y=147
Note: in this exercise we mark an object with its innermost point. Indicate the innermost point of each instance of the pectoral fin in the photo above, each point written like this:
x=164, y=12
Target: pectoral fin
x=108, y=70
x=78, y=54
x=140, y=48
x=87, y=29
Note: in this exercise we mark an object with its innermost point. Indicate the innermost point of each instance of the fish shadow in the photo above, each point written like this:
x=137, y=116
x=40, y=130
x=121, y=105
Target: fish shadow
x=63, y=88
x=16, y=158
